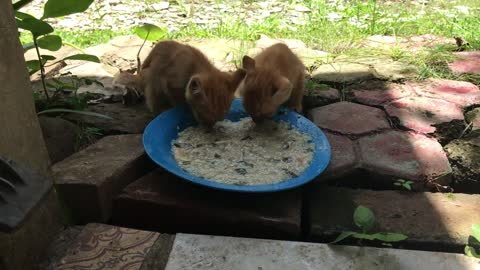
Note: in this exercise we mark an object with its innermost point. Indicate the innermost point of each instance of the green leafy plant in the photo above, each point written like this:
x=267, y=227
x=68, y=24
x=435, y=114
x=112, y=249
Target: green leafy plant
x=365, y=220
x=473, y=240
x=42, y=35
x=404, y=183
x=148, y=32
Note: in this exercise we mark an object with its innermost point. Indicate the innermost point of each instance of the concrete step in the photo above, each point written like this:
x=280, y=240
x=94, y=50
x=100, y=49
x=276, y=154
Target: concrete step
x=162, y=202
x=88, y=180
x=201, y=252
x=100, y=246
x=432, y=221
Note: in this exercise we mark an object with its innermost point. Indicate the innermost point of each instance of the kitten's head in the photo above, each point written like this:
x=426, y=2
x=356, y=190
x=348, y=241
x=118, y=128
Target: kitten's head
x=263, y=90
x=210, y=95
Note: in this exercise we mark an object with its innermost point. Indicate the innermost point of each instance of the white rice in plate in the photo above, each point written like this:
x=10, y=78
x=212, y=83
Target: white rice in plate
x=243, y=153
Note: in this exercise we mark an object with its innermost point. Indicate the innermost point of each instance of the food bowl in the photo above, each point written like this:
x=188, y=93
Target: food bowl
x=158, y=136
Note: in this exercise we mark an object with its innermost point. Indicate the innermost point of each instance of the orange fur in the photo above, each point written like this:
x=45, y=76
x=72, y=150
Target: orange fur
x=274, y=78
x=175, y=73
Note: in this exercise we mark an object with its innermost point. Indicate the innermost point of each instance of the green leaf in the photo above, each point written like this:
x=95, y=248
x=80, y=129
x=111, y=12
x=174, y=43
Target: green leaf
x=47, y=57
x=364, y=218
x=364, y=236
x=22, y=15
x=82, y=56
x=36, y=26
x=471, y=252
x=50, y=42
x=69, y=87
x=33, y=66
x=397, y=184
x=51, y=85
x=75, y=111
x=18, y=5
x=57, y=81
x=389, y=237
x=407, y=186
x=150, y=32
x=476, y=231
x=342, y=236
x=58, y=8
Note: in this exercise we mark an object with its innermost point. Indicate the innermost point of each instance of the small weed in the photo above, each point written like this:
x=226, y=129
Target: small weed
x=365, y=220
x=403, y=183
x=87, y=136
x=450, y=196
x=473, y=242
x=397, y=54
x=313, y=85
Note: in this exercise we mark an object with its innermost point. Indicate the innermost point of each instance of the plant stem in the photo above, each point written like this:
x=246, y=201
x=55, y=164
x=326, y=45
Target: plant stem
x=138, y=54
x=42, y=69
x=73, y=46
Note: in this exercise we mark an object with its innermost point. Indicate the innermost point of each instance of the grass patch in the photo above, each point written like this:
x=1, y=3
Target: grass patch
x=333, y=28
x=336, y=28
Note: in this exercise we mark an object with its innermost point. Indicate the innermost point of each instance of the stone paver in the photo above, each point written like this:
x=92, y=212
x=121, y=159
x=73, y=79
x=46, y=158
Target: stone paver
x=110, y=248
x=422, y=114
x=473, y=118
x=202, y=252
x=222, y=52
x=467, y=63
x=411, y=44
x=319, y=95
x=349, y=118
x=464, y=155
x=125, y=119
x=432, y=221
x=343, y=73
x=307, y=55
x=88, y=180
x=121, y=52
x=344, y=159
x=403, y=155
x=162, y=202
x=461, y=93
x=102, y=73
x=379, y=92
x=393, y=70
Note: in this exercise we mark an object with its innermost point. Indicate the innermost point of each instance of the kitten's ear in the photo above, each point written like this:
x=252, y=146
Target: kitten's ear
x=237, y=77
x=284, y=91
x=195, y=90
x=248, y=63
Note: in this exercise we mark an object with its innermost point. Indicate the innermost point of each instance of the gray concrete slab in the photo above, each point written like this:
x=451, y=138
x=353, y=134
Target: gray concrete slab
x=215, y=252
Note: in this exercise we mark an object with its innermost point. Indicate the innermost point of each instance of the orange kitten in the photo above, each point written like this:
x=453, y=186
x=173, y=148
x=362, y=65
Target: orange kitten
x=175, y=73
x=274, y=77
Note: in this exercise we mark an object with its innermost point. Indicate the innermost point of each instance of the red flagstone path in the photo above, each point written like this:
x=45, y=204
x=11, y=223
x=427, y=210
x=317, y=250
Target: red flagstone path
x=467, y=63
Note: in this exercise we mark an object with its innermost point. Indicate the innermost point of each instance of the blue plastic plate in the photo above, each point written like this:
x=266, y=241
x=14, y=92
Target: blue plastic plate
x=160, y=132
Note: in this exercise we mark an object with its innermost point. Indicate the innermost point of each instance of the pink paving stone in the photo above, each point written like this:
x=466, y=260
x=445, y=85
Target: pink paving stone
x=468, y=62
x=404, y=155
x=412, y=44
x=378, y=92
x=349, y=118
x=422, y=113
x=461, y=93
x=343, y=160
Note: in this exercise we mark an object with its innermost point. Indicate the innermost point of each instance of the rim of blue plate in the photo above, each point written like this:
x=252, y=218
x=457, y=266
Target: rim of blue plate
x=158, y=148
